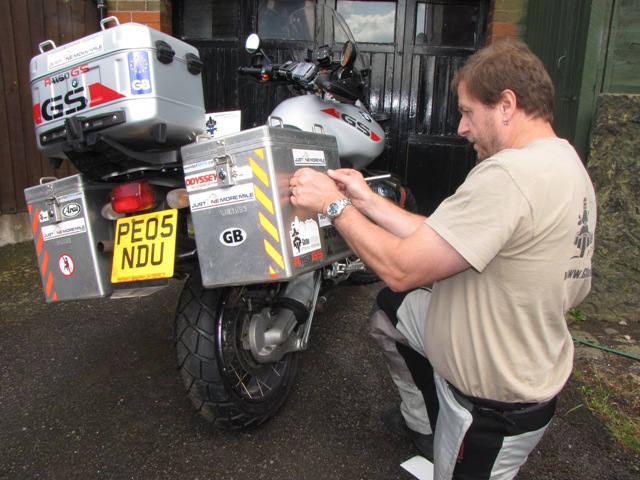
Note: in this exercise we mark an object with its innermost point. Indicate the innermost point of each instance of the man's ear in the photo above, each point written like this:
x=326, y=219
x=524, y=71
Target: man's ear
x=508, y=103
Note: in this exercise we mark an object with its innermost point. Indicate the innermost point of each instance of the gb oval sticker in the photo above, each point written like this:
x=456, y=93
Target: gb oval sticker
x=71, y=210
x=232, y=237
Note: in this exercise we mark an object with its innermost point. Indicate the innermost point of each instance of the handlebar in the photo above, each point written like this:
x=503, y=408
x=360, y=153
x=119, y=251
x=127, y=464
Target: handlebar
x=299, y=74
x=344, y=83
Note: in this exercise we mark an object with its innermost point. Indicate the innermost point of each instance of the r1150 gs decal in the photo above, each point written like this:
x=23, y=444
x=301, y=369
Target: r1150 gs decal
x=361, y=127
x=74, y=72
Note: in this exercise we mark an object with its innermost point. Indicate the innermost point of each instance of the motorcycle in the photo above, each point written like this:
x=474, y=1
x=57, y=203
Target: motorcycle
x=237, y=346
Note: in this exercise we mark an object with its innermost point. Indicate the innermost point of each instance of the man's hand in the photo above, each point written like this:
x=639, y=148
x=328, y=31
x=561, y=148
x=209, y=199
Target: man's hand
x=352, y=184
x=313, y=190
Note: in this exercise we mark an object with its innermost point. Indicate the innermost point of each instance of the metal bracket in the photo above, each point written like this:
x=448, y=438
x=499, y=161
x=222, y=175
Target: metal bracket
x=273, y=335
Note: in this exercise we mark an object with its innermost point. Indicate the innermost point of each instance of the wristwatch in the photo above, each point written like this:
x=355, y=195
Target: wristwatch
x=335, y=208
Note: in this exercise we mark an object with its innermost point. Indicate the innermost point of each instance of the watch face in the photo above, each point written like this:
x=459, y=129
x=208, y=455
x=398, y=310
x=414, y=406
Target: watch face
x=332, y=210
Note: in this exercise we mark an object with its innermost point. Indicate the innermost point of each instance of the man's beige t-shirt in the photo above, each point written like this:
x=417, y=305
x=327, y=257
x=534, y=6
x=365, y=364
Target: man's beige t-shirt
x=525, y=221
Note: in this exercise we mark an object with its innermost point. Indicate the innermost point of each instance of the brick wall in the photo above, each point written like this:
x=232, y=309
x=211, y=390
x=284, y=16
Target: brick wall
x=507, y=19
x=153, y=13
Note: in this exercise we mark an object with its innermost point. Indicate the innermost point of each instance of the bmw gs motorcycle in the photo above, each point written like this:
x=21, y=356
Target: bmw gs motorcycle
x=237, y=346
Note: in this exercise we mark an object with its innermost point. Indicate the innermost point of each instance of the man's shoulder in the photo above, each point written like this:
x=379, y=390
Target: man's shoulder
x=540, y=149
x=541, y=157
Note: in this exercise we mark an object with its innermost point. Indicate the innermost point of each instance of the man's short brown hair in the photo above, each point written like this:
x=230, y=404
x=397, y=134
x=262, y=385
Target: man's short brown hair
x=508, y=64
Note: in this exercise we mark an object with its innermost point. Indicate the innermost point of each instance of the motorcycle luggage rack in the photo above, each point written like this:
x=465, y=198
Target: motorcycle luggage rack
x=74, y=129
x=101, y=158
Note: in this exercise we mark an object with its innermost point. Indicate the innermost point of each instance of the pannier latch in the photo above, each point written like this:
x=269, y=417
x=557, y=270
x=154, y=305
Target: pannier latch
x=164, y=52
x=194, y=64
x=224, y=171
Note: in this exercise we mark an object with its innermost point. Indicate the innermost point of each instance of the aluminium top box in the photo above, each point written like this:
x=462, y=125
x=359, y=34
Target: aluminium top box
x=246, y=229
x=131, y=83
x=67, y=228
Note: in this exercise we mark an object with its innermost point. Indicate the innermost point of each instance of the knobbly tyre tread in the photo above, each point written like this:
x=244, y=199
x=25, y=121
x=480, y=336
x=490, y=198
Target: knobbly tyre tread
x=195, y=340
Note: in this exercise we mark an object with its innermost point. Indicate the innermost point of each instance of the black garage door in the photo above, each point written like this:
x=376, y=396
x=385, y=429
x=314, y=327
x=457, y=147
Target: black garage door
x=413, y=48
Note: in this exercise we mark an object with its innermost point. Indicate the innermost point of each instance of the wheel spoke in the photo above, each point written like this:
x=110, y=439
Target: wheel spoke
x=261, y=384
x=248, y=378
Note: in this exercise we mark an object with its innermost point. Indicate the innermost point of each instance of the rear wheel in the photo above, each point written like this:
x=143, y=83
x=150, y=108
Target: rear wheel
x=223, y=380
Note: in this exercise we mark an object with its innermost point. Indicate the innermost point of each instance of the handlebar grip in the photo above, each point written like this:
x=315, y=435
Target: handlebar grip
x=323, y=81
x=250, y=70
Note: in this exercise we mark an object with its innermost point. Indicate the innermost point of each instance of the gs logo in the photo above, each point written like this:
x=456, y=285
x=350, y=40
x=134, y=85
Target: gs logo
x=232, y=237
x=72, y=102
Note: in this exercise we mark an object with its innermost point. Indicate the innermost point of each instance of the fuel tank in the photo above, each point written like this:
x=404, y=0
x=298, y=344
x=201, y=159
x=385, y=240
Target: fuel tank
x=360, y=138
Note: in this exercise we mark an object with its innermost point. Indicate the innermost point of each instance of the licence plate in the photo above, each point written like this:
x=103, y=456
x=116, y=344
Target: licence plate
x=144, y=247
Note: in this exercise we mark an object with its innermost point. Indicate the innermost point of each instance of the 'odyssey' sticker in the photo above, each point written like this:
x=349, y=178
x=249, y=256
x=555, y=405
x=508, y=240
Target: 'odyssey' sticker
x=201, y=181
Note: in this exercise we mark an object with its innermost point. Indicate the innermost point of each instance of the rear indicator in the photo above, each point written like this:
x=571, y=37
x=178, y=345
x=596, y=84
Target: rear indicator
x=178, y=198
x=132, y=197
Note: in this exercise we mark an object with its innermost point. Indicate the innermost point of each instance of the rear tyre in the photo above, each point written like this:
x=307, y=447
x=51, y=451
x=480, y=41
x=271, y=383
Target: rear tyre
x=224, y=382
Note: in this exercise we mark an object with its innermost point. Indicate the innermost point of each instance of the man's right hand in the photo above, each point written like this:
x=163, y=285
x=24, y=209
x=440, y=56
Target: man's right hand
x=352, y=184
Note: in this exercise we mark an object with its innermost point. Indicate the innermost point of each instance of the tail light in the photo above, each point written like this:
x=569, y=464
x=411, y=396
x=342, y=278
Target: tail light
x=132, y=197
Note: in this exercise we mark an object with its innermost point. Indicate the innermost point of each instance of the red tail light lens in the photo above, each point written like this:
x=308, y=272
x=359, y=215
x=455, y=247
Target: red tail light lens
x=132, y=197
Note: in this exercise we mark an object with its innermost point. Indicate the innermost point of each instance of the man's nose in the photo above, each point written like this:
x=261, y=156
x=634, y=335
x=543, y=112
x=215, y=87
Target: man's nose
x=463, y=128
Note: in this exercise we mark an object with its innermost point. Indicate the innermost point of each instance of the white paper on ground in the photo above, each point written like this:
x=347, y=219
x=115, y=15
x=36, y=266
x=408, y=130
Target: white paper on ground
x=419, y=467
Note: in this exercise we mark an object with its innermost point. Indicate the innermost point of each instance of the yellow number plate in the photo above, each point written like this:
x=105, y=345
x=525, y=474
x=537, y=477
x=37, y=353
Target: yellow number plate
x=144, y=247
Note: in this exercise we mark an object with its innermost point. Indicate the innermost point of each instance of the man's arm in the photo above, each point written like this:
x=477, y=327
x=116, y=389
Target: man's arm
x=380, y=210
x=403, y=250
x=419, y=259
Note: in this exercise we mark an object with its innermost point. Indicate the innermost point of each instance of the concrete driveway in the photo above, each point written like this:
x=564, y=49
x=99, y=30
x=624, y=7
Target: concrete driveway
x=89, y=390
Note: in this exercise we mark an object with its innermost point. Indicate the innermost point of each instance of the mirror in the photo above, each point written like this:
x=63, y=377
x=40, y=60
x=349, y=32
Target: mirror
x=252, y=44
x=348, y=55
